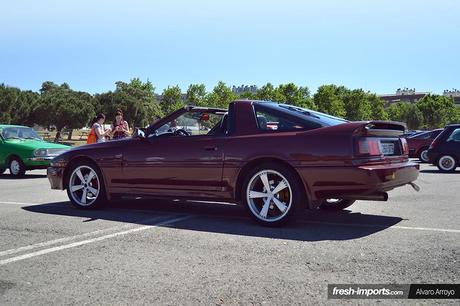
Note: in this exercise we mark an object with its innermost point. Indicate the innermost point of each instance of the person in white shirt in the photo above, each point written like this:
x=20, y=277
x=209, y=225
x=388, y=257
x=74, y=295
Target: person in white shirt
x=98, y=126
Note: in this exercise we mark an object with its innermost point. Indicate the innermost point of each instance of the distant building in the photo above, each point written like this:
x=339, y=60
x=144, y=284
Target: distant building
x=403, y=95
x=453, y=93
x=243, y=89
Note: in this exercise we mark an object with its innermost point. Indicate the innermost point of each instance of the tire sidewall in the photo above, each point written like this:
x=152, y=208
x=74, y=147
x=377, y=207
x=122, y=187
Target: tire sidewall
x=420, y=156
x=22, y=167
x=438, y=164
x=101, y=198
x=298, y=195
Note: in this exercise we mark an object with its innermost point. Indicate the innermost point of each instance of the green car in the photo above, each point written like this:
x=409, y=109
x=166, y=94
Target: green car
x=22, y=149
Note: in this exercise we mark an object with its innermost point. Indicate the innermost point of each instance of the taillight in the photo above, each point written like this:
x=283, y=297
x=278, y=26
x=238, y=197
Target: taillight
x=405, y=146
x=368, y=147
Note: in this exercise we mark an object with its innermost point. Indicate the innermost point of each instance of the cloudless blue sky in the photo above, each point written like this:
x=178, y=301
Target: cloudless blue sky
x=378, y=45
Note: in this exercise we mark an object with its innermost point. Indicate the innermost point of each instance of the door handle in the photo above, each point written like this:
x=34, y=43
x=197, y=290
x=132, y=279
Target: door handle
x=210, y=148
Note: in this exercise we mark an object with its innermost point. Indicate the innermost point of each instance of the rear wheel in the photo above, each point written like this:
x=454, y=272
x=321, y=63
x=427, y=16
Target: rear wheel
x=336, y=204
x=423, y=156
x=85, y=186
x=447, y=163
x=17, y=167
x=272, y=194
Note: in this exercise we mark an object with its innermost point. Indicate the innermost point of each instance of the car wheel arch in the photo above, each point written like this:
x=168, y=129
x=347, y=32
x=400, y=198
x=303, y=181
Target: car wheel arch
x=251, y=164
x=78, y=159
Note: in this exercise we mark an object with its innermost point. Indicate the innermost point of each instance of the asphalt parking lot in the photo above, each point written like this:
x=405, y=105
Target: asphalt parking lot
x=156, y=252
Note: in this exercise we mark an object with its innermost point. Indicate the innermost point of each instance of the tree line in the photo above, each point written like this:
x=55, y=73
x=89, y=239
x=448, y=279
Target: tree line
x=61, y=107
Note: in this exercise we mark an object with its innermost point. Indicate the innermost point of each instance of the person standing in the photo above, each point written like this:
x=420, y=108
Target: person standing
x=98, y=132
x=120, y=128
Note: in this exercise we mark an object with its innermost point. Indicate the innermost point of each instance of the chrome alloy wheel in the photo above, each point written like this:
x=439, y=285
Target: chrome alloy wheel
x=84, y=185
x=269, y=195
x=446, y=163
x=15, y=167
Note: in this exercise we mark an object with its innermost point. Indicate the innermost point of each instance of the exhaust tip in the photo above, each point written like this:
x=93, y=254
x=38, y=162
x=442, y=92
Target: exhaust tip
x=415, y=186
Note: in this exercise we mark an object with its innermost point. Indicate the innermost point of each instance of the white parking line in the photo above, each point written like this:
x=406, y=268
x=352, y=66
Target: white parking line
x=59, y=240
x=83, y=242
x=19, y=203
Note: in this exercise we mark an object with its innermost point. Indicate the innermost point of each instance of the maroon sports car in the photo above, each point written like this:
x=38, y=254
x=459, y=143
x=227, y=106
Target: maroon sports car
x=275, y=159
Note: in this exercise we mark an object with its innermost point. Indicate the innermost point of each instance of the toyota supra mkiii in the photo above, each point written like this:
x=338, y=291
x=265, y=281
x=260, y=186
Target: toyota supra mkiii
x=272, y=158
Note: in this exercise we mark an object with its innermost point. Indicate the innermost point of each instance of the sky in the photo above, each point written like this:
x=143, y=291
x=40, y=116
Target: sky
x=377, y=45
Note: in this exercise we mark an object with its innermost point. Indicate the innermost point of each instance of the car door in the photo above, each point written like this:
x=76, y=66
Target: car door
x=452, y=144
x=175, y=166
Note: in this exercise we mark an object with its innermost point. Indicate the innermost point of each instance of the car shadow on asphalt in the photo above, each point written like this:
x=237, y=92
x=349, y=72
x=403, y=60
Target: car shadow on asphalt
x=230, y=219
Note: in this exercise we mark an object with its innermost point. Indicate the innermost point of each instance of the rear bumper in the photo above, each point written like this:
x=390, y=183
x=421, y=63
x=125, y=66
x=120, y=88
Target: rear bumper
x=337, y=182
x=56, y=177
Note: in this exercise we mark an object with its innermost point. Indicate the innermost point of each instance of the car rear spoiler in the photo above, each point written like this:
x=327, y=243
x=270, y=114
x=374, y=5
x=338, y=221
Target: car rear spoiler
x=381, y=128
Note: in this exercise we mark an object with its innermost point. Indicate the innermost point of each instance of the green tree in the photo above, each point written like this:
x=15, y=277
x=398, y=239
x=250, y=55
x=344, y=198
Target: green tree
x=196, y=94
x=294, y=95
x=357, y=106
x=171, y=99
x=377, y=107
x=436, y=110
x=268, y=93
x=414, y=117
x=8, y=98
x=63, y=108
x=135, y=99
x=329, y=99
x=220, y=96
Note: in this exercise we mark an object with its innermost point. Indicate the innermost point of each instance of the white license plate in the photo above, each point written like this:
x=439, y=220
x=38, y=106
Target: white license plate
x=388, y=148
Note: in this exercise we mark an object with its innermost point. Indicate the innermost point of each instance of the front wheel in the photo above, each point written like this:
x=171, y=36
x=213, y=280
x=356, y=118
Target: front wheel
x=272, y=194
x=446, y=163
x=336, y=204
x=85, y=186
x=17, y=167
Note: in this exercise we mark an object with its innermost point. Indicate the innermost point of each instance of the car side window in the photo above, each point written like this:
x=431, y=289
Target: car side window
x=454, y=136
x=271, y=121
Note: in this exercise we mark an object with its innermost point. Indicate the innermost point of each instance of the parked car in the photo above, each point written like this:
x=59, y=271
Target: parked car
x=274, y=159
x=411, y=133
x=444, y=151
x=21, y=149
x=419, y=144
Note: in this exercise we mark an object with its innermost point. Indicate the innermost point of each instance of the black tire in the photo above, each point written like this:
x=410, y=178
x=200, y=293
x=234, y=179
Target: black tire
x=339, y=204
x=422, y=156
x=2, y=170
x=446, y=163
x=16, y=167
x=293, y=194
x=96, y=202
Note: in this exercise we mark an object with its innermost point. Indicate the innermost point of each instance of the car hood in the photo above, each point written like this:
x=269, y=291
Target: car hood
x=35, y=144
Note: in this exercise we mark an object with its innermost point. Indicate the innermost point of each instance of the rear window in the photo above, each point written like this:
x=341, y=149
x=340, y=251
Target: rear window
x=324, y=119
x=270, y=120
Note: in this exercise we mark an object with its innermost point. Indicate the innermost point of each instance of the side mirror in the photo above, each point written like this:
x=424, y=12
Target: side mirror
x=138, y=133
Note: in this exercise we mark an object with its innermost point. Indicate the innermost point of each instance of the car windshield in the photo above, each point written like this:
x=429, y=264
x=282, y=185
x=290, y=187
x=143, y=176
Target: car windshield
x=325, y=118
x=193, y=123
x=19, y=133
